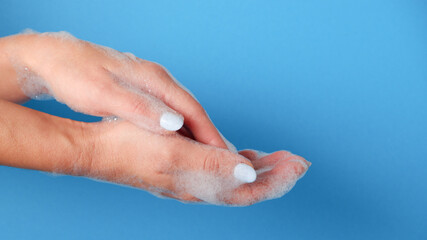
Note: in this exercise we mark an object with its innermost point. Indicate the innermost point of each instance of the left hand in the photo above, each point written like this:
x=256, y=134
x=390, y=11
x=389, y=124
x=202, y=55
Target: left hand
x=103, y=82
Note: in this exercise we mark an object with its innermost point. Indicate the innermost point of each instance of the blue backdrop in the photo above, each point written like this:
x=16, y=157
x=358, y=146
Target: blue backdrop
x=342, y=83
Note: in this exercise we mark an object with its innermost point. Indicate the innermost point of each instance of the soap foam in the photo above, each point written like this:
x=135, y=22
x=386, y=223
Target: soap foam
x=207, y=187
x=32, y=85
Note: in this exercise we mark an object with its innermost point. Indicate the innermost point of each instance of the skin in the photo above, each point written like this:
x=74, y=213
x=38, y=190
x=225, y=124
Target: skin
x=121, y=151
x=95, y=85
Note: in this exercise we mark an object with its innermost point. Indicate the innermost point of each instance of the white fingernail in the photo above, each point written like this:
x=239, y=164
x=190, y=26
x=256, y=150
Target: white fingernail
x=244, y=173
x=171, y=121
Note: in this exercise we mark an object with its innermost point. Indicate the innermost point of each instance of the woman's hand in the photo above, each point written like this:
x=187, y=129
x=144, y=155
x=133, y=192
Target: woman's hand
x=180, y=168
x=120, y=152
x=104, y=82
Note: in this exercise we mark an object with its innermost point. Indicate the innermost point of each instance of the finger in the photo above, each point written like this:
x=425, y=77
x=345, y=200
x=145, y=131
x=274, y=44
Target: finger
x=196, y=118
x=210, y=173
x=271, y=184
x=184, y=131
x=185, y=197
x=219, y=163
x=156, y=79
x=249, y=154
x=272, y=159
x=262, y=160
x=142, y=109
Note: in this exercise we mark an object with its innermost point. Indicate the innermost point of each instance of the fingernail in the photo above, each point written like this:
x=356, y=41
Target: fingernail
x=244, y=173
x=171, y=121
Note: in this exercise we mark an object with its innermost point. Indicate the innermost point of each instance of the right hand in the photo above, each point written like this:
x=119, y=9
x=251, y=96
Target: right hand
x=180, y=168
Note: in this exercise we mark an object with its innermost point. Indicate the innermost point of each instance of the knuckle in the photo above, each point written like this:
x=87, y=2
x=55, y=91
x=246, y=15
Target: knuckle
x=159, y=72
x=100, y=89
x=163, y=166
x=154, y=67
x=167, y=161
x=211, y=162
x=137, y=106
x=198, y=109
x=100, y=86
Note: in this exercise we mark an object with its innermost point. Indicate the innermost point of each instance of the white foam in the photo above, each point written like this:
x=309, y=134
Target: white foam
x=208, y=187
x=33, y=85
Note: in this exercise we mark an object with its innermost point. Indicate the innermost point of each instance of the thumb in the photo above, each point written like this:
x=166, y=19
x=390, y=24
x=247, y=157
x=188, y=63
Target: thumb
x=222, y=163
x=211, y=174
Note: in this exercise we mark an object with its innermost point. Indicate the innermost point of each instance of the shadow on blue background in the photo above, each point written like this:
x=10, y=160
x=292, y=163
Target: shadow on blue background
x=342, y=83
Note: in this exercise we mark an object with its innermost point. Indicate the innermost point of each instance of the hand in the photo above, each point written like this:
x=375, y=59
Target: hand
x=104, y=82
x=166, y=164
x=177, y=167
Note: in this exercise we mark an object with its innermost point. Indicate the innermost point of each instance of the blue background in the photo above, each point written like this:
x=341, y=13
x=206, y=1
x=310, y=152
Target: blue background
x=342, y=83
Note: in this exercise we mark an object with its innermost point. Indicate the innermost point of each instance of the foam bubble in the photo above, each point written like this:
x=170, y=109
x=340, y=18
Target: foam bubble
x=208, y=187
x=32, y=85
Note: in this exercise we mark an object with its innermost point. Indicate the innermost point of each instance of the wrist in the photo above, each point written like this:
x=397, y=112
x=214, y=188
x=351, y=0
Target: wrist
x=39, y=141
x=83, y=143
